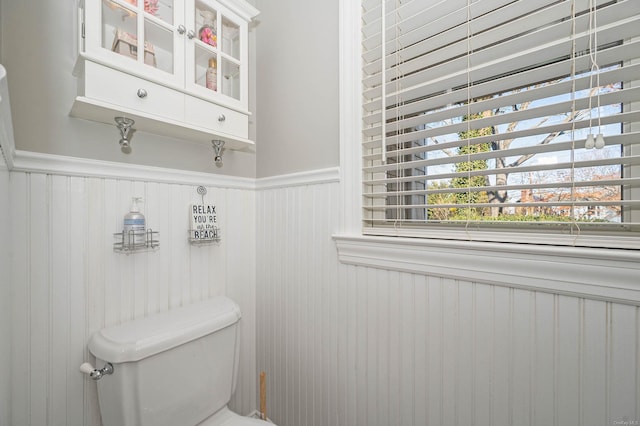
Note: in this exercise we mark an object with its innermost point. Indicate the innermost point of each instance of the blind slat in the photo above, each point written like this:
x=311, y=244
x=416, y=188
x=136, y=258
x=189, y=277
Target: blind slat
x=516, y=187
x=517, y=97
x=412, y=50
x=419, y=52
x=622, y=96
x=542, y=131
x=565, y=165
x=561, y=203
x=490, y=155
x=535, y=48
x=451, y=88
x=410, y=16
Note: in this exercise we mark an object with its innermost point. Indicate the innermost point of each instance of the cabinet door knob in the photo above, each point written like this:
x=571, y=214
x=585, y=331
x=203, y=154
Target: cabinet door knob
x=142, y=93
x=191, y=34
x=221, y=118
x=181, y=29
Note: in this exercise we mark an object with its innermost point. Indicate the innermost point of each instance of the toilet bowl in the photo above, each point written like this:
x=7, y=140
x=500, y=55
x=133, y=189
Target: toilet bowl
x=173, y=368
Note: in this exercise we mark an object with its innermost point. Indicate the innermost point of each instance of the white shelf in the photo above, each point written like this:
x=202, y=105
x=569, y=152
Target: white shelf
x=104, y=112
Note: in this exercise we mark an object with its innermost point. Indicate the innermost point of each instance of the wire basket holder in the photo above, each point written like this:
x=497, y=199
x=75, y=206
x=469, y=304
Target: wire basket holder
x=133, y=241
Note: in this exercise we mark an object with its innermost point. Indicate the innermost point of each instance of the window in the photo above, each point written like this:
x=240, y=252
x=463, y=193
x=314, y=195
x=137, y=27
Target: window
x=481, y=117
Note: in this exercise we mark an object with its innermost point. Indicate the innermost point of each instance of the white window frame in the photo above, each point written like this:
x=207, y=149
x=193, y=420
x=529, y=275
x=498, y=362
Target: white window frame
x=603, y=274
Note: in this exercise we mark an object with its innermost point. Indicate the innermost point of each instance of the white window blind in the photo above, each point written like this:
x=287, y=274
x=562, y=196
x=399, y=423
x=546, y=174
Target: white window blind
x=476, y=115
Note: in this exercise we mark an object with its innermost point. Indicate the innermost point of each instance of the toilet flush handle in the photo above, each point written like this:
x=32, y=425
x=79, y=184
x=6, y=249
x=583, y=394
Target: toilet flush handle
x=95, y=373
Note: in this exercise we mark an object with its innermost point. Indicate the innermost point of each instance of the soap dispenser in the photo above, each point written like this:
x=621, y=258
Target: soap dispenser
x=134, y=224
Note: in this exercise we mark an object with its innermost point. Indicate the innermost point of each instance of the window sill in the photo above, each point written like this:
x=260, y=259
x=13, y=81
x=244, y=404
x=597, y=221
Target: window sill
x=602, y=274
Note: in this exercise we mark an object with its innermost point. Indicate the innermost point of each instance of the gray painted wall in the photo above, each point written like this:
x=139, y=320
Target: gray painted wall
x=297, y=97
x=39, y=54
x=5, y=288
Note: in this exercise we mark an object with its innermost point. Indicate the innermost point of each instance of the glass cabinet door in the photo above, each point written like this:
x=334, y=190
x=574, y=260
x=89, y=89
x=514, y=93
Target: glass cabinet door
x=217, y=52
x=141, y=33
x=205, y=46
x=230, y=40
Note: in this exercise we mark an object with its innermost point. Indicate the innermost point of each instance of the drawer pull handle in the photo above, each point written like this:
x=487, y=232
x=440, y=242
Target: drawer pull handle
x=221, y=118
x=142, y=93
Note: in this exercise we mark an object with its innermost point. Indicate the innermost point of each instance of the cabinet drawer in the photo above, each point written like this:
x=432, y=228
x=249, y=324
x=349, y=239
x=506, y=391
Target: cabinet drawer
x=218, y=119
x=109, y=85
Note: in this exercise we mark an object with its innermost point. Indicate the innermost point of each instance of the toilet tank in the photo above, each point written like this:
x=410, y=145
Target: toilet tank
x=173, y=368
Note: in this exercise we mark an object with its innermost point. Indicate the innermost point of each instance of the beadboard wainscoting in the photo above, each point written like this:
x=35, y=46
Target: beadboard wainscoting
x=353, y=345
x=297, y=299
x=67, y=281
x=5, y=297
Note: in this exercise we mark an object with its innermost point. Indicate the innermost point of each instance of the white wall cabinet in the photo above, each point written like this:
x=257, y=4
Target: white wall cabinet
x=177, y=67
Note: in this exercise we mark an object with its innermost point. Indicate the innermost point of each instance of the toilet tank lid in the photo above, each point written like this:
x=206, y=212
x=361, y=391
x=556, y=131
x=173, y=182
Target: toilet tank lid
x=141, y=338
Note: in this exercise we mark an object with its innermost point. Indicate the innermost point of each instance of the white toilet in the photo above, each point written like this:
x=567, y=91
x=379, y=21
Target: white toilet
x=174, y=368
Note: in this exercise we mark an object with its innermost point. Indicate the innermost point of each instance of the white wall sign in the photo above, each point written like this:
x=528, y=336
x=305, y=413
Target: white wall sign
x=204, y=222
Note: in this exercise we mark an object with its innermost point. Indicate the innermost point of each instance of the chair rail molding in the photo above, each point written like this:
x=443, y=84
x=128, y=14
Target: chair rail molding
x=310, y=177
x=34, y=162
x=600, y=274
